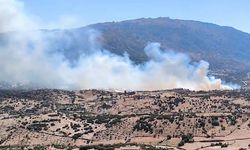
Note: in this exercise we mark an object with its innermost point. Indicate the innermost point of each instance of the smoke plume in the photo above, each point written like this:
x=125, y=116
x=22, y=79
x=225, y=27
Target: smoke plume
x=27, y=58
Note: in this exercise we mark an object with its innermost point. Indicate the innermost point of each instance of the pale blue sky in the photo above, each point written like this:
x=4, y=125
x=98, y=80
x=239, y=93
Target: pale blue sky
x=235, y=13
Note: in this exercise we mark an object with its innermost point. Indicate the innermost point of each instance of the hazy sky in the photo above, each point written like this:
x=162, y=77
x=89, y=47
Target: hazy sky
x=66, y=13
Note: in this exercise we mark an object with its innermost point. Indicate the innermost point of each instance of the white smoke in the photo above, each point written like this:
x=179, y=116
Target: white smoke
x=13, y=17
x=164, y=70
x=24, y=58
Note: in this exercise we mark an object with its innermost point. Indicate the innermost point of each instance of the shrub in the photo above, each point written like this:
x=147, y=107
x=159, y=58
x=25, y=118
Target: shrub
x=143, y=125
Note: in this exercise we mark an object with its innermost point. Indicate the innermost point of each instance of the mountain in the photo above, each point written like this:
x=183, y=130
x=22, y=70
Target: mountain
x=219, y=45
x=225, y=48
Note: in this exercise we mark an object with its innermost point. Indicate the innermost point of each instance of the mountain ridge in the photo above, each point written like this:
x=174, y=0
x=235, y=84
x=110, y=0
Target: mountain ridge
x=226, y=49
x=222, y=34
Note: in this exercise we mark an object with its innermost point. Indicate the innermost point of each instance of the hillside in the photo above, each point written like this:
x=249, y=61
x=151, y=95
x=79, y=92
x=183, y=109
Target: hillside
x=146, y=120
x=225, y=48
x=219, y=45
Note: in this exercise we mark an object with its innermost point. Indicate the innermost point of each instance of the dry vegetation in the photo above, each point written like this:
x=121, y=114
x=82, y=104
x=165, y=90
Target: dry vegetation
x=171, y=119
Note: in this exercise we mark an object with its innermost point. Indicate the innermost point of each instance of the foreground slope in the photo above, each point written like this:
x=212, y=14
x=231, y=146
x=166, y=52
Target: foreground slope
x=171, y=118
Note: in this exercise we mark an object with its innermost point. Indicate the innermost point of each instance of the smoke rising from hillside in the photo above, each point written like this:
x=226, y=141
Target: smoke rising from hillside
x=26, y=58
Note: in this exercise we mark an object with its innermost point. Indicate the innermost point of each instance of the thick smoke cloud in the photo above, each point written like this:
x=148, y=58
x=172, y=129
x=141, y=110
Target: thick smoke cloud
x=27, y=57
